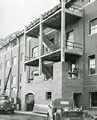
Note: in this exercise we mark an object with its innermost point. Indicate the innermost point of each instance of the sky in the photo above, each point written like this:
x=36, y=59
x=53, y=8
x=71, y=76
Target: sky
x=16, y=14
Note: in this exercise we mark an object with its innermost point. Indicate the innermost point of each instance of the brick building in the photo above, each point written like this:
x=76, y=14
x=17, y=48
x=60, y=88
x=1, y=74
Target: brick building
x=54, y=57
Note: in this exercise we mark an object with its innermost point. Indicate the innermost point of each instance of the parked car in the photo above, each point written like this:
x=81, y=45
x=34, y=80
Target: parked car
x=6, y=104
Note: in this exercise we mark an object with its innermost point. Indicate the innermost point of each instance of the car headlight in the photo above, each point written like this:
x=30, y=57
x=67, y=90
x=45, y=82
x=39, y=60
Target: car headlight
x=1, y=106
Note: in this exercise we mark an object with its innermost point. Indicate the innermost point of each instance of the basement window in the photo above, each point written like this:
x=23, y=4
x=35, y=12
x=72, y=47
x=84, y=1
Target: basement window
x=48, y=95
x=93, y=99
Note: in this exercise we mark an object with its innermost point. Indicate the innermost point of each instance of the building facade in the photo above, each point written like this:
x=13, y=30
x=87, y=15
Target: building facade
x=53, y=57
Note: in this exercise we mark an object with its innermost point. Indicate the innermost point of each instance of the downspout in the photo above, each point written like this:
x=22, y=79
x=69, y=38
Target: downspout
x=18, y=42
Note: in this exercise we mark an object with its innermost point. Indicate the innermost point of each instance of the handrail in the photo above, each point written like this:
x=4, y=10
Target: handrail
x=73, y=45
x=76, y=7
x=54, y=47
x=32, y=56
x=51, y=48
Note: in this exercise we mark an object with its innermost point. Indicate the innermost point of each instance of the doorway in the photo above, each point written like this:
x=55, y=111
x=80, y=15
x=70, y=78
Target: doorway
x=30, y=101
x=77, y=99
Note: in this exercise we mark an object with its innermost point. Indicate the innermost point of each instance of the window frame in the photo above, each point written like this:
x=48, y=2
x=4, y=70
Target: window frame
x=91, y=64
x=48, y=95
x=92, y=28
x=92, y=99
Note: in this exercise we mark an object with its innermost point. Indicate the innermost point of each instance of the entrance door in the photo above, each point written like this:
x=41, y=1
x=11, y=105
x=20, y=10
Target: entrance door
x=30, y=101
x=77, y=98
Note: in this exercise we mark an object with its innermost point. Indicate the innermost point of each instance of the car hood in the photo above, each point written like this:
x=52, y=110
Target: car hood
x=4, y=101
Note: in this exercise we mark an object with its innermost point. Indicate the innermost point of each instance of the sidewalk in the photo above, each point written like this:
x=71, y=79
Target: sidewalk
x=29, y=113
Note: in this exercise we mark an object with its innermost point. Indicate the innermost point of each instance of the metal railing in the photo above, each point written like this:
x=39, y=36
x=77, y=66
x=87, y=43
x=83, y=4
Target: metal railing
x=73, y=46
x=51, y=48
x=32, y=56
x=75, y=8
x=68, y=45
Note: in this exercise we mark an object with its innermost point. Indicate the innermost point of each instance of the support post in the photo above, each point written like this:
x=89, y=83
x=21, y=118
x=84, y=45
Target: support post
x=25, y=47
x=40, y=46
x=63, y=36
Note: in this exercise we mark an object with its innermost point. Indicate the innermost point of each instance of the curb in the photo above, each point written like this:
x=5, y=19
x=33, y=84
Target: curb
x=30, y=113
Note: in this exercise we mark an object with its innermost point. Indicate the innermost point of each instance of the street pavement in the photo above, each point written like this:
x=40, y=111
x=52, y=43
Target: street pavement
x=45, y=116
x=20, y=116
x=26, y=115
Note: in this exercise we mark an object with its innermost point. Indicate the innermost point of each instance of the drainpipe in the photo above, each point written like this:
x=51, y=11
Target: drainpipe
x=18, y=72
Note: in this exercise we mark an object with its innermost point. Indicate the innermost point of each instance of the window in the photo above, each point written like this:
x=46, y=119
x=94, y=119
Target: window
x=7, y=63
x=93, y=99
x=93, y=26
x=1, y=64
x=14, y=80
x=22, y=57
x=35, y=52
x=70, y=39
x=20, y=77
x=92, y=64
x=14, y=60
x=72, y=69
x=48, y=95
